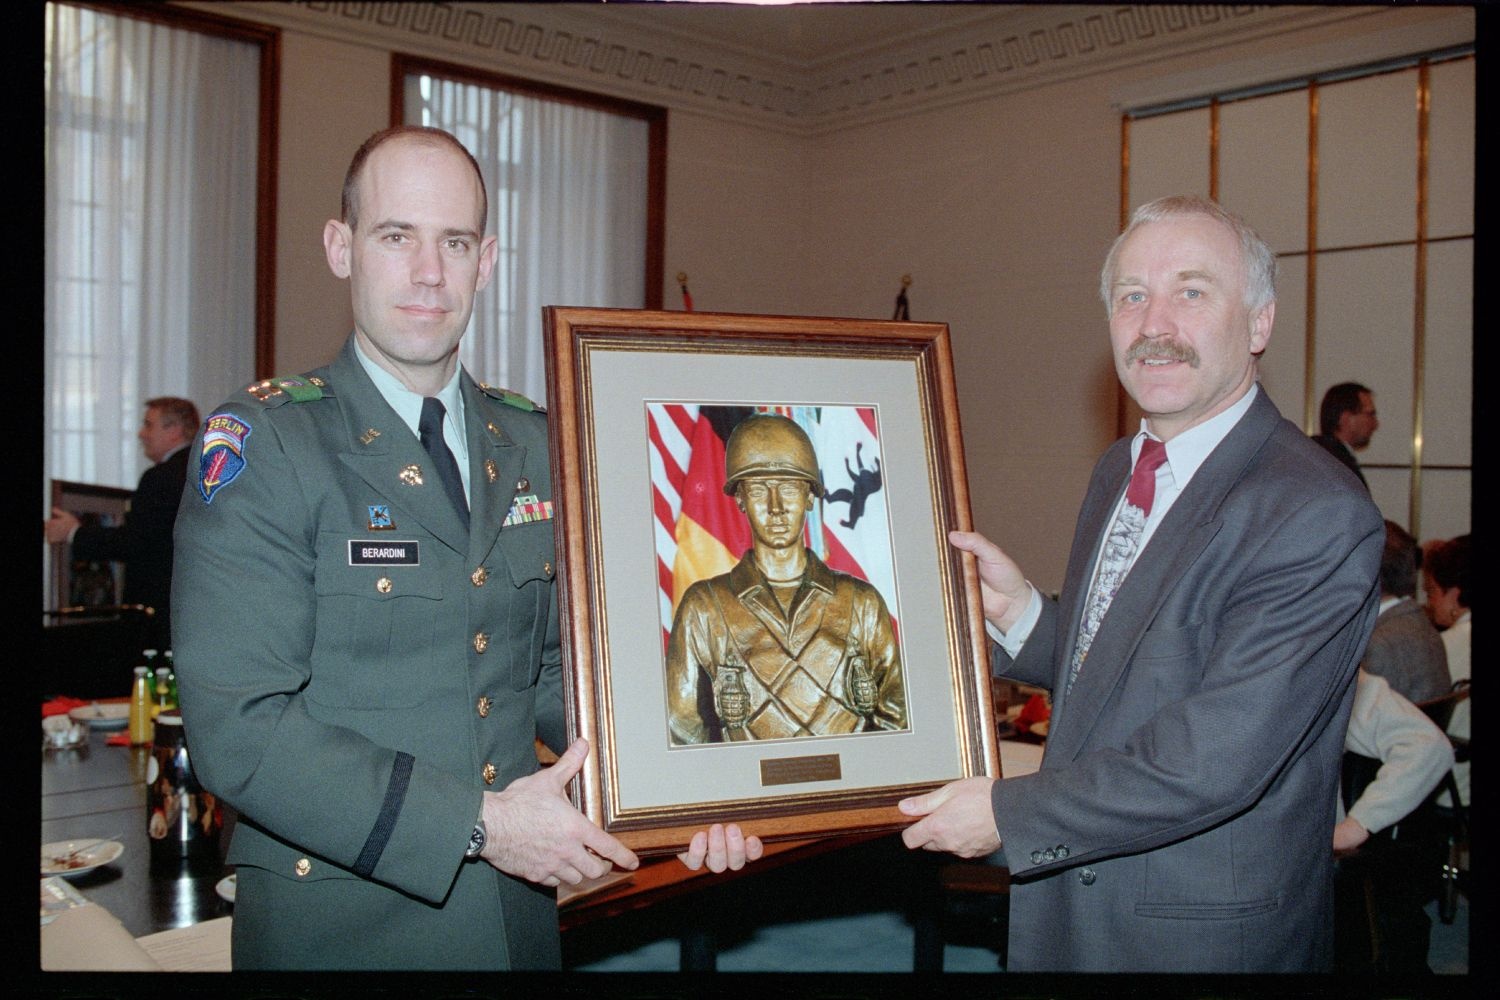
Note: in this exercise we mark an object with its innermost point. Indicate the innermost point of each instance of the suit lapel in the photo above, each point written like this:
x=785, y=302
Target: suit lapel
x=382, y=459
x=1188, y=528
x=495, y=466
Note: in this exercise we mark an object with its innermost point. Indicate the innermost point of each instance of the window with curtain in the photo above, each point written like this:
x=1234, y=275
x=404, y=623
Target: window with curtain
x=151, y=150
x=570, y=183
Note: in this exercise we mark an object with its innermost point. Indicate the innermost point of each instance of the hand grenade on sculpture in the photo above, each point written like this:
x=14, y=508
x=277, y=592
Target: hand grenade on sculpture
x=731, y=698
x=859, y=682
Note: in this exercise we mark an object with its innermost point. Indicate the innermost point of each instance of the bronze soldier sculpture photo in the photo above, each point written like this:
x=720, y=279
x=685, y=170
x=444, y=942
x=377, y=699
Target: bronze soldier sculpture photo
x=781, y=646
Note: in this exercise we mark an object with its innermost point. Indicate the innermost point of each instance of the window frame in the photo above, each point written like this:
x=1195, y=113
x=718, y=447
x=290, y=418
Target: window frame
x=655, y=117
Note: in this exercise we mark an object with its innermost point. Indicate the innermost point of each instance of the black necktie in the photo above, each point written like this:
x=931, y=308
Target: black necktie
x=430, y=429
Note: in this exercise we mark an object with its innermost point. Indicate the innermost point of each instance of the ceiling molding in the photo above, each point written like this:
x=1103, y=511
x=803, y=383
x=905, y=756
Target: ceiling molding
x=967, y=53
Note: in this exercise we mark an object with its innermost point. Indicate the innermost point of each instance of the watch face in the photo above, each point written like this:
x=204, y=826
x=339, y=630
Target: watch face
x=476, y=842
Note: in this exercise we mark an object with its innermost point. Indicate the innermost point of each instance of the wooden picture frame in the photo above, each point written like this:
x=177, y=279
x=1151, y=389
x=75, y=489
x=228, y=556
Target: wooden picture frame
x=824, y=743
x=106, y=505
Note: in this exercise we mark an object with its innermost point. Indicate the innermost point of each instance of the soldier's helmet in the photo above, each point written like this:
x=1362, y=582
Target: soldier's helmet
x=766, y=444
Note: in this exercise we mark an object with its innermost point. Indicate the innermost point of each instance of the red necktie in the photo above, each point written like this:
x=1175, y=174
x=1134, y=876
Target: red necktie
x=1142, y=489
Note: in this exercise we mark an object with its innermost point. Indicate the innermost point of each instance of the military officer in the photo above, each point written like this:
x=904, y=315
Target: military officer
x=780, y=646
x=366, y=631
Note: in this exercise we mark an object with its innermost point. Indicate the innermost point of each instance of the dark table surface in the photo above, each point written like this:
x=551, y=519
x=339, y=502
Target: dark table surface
x=99, y=791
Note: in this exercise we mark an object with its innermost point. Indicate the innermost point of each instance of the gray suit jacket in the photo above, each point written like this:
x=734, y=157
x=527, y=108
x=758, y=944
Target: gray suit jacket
x=1183, y=813
x=340, y=697
x=1408, y=652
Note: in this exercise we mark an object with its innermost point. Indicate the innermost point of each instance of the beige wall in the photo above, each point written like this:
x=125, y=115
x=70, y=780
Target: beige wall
x=333, y=95
x=1001, y=210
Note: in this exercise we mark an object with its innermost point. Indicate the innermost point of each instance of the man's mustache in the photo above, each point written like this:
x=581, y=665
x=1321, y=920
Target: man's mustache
x=1168, y=350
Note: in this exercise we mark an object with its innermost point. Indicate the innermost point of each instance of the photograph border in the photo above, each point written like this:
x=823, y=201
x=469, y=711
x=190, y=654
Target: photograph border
x=574, y=336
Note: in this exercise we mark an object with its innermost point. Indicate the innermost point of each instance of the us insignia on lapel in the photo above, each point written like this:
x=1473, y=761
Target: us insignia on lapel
x=380, y=517
x=524, y=510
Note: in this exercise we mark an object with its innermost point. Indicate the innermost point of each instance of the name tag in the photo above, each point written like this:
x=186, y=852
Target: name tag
x=368, y=552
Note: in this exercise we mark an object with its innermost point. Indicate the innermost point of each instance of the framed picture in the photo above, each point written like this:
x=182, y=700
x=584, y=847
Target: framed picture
x=763, y=621
x=78, y=583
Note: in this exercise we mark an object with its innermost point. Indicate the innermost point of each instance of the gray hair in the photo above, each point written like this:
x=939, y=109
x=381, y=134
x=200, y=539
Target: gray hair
x=1258, y=259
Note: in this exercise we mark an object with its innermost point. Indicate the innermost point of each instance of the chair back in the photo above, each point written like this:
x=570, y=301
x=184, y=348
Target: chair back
x=1440, y=709
x=88, y=652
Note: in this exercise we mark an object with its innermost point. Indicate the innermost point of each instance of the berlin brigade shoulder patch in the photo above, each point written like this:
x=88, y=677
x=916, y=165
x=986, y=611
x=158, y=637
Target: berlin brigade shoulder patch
x=288, y=388
x=509, y=398
x=223, y=455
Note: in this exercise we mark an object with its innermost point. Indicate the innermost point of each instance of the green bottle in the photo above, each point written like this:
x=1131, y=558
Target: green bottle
x=171, y=678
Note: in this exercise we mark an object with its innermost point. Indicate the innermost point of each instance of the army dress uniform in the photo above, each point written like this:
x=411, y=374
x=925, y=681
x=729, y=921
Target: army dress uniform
x=741, y=668
x=357, y=666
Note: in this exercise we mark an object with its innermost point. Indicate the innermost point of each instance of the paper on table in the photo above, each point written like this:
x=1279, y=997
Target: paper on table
x=200, y=947
x=89, y=939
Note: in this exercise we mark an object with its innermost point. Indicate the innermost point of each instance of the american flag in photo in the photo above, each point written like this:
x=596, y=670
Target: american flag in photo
x=700, y=532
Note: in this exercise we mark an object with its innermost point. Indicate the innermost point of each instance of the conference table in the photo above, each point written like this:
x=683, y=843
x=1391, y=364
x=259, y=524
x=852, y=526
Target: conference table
x=94, y=790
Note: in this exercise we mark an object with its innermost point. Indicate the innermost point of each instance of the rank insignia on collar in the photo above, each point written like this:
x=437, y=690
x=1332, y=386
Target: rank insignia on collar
x=223, y=456
x=411, y=475
x=524, y=510
x=380, y=517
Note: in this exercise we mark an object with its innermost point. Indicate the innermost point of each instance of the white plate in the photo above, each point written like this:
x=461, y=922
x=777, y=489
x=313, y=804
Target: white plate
x=92, y=856
x=225, y=888
x=111, y=715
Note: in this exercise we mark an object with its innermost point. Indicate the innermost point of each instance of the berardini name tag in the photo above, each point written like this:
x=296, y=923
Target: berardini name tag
x=790, y=770
x=371, y=552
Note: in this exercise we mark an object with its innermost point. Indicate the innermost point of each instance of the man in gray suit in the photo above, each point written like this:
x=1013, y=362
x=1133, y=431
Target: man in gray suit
x=366, y=625
x=1201, y=656
x=1405, y=648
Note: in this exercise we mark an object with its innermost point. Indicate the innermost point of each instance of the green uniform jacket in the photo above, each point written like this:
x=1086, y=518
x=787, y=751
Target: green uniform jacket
x=352, y=711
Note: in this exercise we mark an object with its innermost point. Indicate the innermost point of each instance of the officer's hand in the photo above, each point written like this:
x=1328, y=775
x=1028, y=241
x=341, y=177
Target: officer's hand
x=1002, y=585
x=532, y=831
x=722, y=847
x=957, y=818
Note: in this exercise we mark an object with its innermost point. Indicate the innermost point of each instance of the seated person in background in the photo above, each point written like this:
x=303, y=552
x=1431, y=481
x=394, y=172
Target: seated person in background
x=144, y=542
x=1445, y=578
x=1405, y=649
x=1414, y=755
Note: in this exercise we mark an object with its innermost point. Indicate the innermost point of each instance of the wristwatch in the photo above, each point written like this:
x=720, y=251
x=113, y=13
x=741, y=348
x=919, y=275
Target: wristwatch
x=476, y=842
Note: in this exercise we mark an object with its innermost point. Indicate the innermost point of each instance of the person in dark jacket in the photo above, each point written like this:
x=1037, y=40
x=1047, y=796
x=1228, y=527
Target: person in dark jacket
x=144, y=542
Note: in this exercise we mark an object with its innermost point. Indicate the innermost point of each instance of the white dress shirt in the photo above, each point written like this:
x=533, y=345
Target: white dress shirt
x=408, y=406
x=1186, y=453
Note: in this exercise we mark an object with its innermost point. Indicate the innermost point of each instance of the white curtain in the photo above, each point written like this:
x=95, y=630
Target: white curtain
x=568, y=196
x=151, y=136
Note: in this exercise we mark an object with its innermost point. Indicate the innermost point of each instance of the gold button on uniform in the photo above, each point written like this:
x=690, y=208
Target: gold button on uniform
x=303, y=867
x=523, y=484
x=484, y=706
x=383, y=585
x=479, y=576
x=489, y=773
x=481, y=642
x=547, y=568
